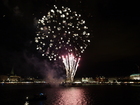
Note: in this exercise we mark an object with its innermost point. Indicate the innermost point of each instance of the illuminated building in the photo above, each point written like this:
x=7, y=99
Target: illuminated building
x=135, y=76
x=87, y=80
x=113, y=80
x=3, y=78
x=101, y=79
x=14, y=78
x=84, y=80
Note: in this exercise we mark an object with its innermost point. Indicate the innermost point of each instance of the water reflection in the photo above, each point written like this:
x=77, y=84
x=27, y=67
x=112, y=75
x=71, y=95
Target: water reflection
x=65, y=96
x=71, y=96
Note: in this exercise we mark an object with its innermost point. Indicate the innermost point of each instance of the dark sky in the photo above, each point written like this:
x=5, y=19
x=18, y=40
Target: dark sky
x=114, y=24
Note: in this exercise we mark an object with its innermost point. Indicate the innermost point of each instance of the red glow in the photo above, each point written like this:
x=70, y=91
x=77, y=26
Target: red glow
x=71, y=96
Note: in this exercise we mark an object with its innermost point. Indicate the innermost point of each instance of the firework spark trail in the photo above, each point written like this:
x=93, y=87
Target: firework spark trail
x=77, y=63
x=62, y=32
x=71, y=64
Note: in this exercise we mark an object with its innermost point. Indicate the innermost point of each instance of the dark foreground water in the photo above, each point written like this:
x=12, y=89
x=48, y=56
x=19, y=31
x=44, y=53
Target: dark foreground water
x=85, y=95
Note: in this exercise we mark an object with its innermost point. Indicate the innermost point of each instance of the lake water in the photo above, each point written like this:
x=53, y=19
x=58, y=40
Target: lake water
x=84, y=95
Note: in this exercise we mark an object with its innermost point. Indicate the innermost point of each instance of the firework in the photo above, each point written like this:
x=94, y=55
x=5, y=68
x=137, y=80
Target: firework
x=62, y=32
x=71, y=64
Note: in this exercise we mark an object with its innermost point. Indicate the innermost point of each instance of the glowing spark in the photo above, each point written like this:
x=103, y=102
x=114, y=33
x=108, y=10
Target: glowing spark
x=62, y=32
x=71, y=64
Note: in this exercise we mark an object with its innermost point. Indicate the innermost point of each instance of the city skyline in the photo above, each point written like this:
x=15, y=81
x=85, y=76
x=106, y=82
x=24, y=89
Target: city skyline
x=115, y=43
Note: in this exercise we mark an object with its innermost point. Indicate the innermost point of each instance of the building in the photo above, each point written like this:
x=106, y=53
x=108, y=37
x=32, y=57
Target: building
x=101, y=79
x=88, y=80
x=135, y=76
x=3, y=78
x=113, y=80
x=14, y=78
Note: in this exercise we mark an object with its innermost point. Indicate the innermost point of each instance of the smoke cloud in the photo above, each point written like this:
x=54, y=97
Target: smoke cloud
x=52, y=73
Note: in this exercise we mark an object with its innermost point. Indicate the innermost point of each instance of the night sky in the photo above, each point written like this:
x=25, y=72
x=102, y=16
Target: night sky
x=115, y=36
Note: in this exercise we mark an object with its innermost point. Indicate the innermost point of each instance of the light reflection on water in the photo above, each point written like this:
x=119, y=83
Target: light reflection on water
x=64, y=96
x=85, y=95
x=71, y=96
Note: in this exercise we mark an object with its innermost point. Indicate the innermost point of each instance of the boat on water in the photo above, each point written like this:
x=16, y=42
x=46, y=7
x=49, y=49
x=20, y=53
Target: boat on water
x=37, y=97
